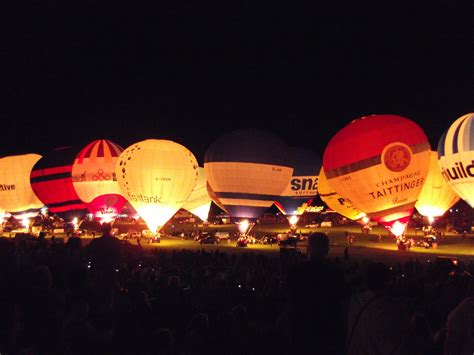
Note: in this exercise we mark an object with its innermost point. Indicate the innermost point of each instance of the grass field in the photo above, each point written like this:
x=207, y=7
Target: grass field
x=366, y=245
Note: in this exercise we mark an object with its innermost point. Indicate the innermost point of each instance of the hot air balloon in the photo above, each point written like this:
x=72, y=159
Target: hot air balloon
x=335, y=201
x=93, y=176
x=248, y=169
x=456, y=157
x=2, y=217
x=436, y=197
x=214, y=198
x=156, y=176
x=51, y=181
x=380, y=163
x=16, y=194
x=199, y=202
x=303, y=185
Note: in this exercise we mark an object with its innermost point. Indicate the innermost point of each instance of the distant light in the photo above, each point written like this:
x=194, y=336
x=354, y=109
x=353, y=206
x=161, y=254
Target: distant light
x=293, y=221
x=398, y=228
x=243, y=226
x=25, y=222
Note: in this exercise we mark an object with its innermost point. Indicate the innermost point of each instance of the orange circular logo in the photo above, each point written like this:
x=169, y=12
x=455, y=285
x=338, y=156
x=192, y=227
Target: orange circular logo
x=397, y=157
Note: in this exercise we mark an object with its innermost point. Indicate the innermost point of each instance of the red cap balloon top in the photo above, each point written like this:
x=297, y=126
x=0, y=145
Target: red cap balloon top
x=379, y=162
x=93, y=174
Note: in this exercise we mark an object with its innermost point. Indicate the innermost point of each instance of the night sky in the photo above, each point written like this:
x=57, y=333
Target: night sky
x=190, y=70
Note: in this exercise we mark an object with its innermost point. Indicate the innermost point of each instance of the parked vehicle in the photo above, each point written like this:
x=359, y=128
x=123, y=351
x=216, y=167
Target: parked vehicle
x=133, y=234
x=242, y=242
x=269, y=239
x=209, y=239
x=222, y=235
x=156, y=238
x=428, y=242
x=291, y=241
x=147, y=233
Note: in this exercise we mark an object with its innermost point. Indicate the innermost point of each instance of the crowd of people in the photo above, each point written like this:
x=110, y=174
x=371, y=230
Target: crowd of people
x=113, y=298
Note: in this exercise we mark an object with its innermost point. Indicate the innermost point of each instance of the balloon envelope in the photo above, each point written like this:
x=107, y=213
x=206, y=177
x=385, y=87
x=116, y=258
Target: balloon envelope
x=456, y=157
x=16, y=194
x=93, y=175
x=303, y=185
x=247, y=169
x=157, y=177
x=380, y=163
x=214, y=198
x=335, y=201
x=51, y=181
x=436, y=196
x=199, y=201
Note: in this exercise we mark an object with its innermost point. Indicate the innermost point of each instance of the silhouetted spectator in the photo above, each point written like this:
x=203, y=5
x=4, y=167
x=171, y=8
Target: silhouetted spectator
x=316, y=293
x=377, y=323
x=460, y=326
x=197, y=335
x=106, y=252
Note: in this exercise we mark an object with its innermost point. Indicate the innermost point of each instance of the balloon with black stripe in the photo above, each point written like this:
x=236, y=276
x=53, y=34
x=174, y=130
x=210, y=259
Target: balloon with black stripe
x=51, y=180
x=248, y=169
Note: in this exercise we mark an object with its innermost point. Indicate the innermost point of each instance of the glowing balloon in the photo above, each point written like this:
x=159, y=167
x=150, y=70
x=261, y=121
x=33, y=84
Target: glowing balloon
x=93, y=176
x=248, y=169
x=16, y=194
x=51, y=181
x=380, y=163
x=157, y=177
x=199, y=202
x=335, y=201
x=214, y=198
x=129, y=210
x=303, y=186
x=456, y=157
x=2, y=216
x=436, y=197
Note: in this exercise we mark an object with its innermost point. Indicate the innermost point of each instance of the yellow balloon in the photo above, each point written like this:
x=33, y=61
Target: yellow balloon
x=335, y=201
x=436, y=196
x=16, y=194
x=199, y=202
x=156, y=176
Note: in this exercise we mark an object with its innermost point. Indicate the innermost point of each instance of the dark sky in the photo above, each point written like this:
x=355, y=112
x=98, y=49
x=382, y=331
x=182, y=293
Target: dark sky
x=190, y=70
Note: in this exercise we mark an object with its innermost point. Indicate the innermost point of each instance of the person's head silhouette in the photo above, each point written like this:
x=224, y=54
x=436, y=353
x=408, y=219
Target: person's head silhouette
x=106, y=229
x=318, y=246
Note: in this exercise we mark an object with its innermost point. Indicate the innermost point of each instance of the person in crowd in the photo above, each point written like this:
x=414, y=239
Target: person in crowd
x=105, y=252
x=459, y=337
x=316, y=302
x=377, y=323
